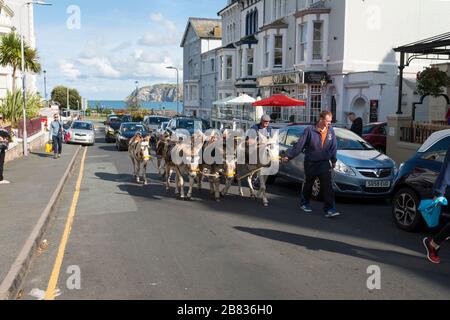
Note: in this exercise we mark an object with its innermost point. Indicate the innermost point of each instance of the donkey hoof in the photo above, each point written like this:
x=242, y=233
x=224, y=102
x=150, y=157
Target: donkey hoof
x=266, y=205
x=217, y=200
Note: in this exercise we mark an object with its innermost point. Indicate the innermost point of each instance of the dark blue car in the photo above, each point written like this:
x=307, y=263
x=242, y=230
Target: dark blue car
x=416, y=179
x=127, y=131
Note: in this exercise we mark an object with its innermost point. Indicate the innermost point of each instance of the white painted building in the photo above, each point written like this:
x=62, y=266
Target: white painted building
x=200, y=36
x=337, y=55
x=16, y=16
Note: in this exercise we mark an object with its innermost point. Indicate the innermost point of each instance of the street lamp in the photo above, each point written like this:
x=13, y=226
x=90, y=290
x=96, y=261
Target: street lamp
x=45, y=87
x=137, y=93
x=178, y=86
x=24, y=90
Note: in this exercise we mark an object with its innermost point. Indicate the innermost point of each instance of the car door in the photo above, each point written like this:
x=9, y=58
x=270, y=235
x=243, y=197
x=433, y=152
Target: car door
x=430, y=165
x=294, y=169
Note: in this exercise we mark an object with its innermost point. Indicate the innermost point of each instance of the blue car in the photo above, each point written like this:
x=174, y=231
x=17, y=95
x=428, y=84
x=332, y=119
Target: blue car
x=127, y=131
x=416, y=179
x=360, y=171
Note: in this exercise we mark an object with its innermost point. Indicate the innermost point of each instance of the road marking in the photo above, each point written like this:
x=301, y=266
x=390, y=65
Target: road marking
x=51, y=288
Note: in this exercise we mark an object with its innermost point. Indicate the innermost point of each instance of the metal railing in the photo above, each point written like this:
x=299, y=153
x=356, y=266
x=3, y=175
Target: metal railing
x=419, y=133
x=34, y=126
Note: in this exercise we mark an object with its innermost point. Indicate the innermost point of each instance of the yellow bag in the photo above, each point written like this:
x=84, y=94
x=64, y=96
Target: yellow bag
x=48, y=147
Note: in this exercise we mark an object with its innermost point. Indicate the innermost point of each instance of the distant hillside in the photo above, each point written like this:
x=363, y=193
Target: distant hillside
x=156, y=93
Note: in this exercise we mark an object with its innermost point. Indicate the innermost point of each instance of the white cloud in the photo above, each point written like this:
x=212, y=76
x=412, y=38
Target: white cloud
x=164, y=33
x=68, y=70
x=102, y=66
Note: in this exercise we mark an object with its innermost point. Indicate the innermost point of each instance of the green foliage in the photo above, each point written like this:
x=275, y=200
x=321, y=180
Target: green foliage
x=107, y=111
x=12, y=106
x=432, y=82
x=59, y=95
x=11, y=55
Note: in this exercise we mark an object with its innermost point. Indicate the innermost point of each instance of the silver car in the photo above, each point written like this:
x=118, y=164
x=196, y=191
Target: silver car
x=81, y=132
x=360, y=170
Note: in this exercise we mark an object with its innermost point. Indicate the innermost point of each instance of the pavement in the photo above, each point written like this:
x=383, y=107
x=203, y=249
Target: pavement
x=33, y=182
x=130, y=241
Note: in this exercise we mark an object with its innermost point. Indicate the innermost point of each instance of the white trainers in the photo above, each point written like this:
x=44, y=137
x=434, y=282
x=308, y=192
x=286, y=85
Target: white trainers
x=5, y=182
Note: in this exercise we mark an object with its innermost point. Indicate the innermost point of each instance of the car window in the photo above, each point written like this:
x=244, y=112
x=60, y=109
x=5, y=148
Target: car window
x=347, y=140
x=132, y=127
x=438, y=151
x=156, y=120
x=382, y=130
x=282, y=137
x=81, y=126
x=292, y=137
x=368, y=129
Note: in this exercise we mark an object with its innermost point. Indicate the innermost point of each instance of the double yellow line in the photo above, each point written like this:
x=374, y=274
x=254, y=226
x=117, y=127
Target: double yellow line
x=53, y=282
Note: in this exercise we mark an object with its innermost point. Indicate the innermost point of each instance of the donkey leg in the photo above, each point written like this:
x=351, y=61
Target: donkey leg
x=262, y=190
x=181, y=184
x=144, y=168
x=167, y=178
x=217, y=188
x=250, y=185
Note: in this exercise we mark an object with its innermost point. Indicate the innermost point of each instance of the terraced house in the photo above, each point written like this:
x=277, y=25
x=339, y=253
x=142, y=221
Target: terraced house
x=337, y=54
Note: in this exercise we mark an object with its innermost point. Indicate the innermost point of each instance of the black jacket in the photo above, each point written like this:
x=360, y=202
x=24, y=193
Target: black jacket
x=443, y=180
x=357, y=126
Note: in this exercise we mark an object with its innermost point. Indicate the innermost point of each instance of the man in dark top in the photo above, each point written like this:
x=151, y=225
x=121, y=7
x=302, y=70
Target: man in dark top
x=357, y=124
x=433, y=244
x=319, y=144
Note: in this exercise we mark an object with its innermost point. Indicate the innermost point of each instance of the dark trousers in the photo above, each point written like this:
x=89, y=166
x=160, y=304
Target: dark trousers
x=2, y=163
x=57, y=144
x=442, y=235
x=321, y=170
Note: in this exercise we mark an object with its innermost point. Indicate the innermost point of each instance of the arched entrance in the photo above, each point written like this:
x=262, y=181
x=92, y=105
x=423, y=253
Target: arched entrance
x=360, y=107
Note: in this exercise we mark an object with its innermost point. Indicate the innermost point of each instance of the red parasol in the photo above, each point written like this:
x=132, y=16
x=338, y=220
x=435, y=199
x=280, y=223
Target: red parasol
x=279, y=100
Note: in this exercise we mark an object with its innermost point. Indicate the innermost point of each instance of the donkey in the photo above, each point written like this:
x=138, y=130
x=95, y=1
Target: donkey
x=184, y=158
x=139, y=152
x=267, y=153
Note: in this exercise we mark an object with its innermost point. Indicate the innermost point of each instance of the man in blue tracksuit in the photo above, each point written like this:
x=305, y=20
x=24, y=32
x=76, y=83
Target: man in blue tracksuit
x=320, y=147
x=440, y=187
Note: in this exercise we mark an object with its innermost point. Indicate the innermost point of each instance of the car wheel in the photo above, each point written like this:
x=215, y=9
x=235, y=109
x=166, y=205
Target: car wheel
x=405, y=210
x=317, y=190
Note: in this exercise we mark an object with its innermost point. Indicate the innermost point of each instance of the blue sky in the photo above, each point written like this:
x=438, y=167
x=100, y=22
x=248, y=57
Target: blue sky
x=117, y=43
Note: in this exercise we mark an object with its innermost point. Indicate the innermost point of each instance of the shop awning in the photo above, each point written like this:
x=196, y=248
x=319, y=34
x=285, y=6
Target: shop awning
x=241, y=100
x=223, y=101
x=279, y=100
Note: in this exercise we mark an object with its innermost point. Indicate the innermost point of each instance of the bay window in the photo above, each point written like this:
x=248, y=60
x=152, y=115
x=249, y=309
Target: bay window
x=318, y=41
x=278, y=51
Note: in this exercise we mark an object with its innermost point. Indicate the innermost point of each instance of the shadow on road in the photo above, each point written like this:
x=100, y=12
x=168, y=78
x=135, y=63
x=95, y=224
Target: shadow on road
x=42, y=155
x=414, y=263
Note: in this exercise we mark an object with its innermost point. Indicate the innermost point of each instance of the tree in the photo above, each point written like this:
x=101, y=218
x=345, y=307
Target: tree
x=11, y=55
x=59, y=95
x=431, y=82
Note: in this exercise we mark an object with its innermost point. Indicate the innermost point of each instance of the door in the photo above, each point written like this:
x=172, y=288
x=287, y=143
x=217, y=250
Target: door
x=294, y=169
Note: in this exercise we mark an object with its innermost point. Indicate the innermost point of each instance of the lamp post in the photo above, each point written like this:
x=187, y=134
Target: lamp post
x=45, y=87
x=24, y=90
x=137, y=94
x=178, y=87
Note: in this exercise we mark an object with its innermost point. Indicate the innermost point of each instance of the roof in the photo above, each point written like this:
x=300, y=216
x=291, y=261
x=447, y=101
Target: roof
x=435, y=45
x=233, y=3
x=204, y=28
x=7, y=8
x=435, y=137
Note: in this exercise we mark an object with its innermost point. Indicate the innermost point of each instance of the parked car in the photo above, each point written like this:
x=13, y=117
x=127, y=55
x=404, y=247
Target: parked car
x=187, y=123
x=416, y=179
x=127, y=131
x=81, y=132
x=375, y=134
x=152, y=123
x=360, y=171
x=112, y=125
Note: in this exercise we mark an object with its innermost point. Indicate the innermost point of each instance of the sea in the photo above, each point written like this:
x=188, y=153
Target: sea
x=121, y=105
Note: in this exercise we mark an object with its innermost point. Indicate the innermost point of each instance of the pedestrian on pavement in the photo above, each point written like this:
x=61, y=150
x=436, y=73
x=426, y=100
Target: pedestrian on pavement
x=56, y=136
x=357, y=124
x=5, y=138
x=319, y=145
x=433, y=244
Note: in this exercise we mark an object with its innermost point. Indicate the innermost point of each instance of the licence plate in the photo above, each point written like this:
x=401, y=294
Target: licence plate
x=378, y=184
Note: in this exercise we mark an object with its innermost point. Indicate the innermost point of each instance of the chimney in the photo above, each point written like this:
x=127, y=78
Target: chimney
x=217, y=32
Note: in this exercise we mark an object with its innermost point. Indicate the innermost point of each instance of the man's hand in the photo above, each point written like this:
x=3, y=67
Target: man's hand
x=285, y=159
x=333, y=165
